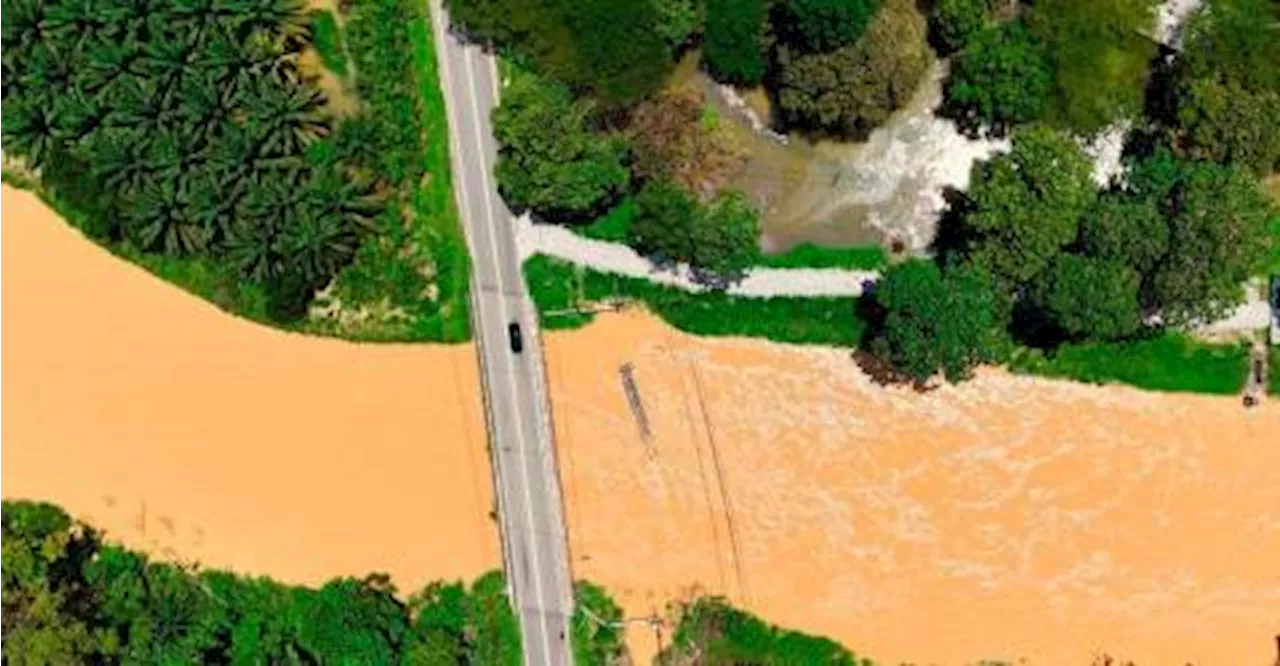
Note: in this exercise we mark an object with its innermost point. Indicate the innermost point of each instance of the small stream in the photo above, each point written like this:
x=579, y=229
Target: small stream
x=890, y=188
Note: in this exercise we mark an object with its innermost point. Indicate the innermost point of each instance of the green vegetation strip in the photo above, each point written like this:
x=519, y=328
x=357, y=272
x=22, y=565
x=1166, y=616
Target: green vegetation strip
x=1169, y=362
x=416, y=267
x=1273, y=379
x=713, y=632
x=615, y=226
x=71, y=598
x=808, y=255
x=560, y=287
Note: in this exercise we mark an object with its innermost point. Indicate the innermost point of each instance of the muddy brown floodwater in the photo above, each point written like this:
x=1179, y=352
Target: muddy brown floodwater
x=198, y=436
x=1008, y=518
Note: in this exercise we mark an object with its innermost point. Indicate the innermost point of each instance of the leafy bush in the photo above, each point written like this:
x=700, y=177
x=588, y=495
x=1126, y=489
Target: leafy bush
x=1228, y=92
x=1025, y=206
x=937, y=321
x=1084, y=297
x=721, y=635
x=413, y=272
x=1100, y=53
x=597, y=638
x=718, y=241
x=1077, y=64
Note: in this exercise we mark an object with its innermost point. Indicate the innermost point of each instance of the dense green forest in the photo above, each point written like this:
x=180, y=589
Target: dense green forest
x=70, y=597
x=192, y=132
x=1102, y=273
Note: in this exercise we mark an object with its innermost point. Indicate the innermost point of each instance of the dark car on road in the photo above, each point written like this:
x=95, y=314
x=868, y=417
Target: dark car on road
x=517, y=342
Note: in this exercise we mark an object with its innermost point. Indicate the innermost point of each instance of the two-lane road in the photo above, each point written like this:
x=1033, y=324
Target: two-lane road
x=528, y=491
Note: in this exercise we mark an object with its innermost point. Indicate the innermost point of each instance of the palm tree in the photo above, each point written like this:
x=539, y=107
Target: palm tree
x=76, y=114
x=209, y=206
x=30, y=130
x=283, y=18
x=318, y=244
x=49, y=69
x=156, y=220
x=254, y=251
x=285, y=118
x=23, y=25
x=76, y=22
x=118, y=159
x=106, y=61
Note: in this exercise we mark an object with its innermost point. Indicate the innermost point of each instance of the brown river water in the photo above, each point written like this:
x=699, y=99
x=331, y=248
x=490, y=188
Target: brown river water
x=1008, y=518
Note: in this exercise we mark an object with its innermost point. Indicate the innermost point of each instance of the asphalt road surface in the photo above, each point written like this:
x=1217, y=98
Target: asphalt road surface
x=520, y=434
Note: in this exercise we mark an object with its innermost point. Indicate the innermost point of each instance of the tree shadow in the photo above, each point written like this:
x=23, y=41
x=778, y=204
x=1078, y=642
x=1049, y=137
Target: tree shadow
x=954, y=238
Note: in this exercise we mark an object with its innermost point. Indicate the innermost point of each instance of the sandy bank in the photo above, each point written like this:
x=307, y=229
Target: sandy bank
x=190, y=433
x=1008, y=518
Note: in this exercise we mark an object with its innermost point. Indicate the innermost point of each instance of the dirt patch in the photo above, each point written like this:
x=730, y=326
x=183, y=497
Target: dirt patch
x=198, y=436
x=342, y=100
x=1009, y=518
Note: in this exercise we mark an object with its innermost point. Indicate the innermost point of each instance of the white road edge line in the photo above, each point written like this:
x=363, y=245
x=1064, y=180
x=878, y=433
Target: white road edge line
x=511, y=384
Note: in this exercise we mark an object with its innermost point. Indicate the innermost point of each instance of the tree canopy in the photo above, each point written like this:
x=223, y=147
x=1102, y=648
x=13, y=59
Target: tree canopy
x=954, y=23
x=938, y=321
x=550, y=161
x=1227, y=86
x=825, y=25
x=610, y=49
x=70, y=598
x=851, y=90
x=733, y=45
x=1076, y=64
x=1088, y=298
x=1000, y=79
x=1218, y=238
x=1026, y=205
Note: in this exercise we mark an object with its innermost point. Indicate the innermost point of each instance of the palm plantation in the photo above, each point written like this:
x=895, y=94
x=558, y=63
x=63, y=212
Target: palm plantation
x=194, y=130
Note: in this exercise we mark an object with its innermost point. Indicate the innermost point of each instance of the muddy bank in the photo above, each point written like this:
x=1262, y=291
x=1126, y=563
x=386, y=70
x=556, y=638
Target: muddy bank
x=1010, y=518
x=194, y=435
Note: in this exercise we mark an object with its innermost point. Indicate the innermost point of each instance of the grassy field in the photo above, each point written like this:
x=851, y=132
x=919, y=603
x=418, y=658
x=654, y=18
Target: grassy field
x=1169, y=362
x=613, y=226
x=808, y=255
x=558, y=286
